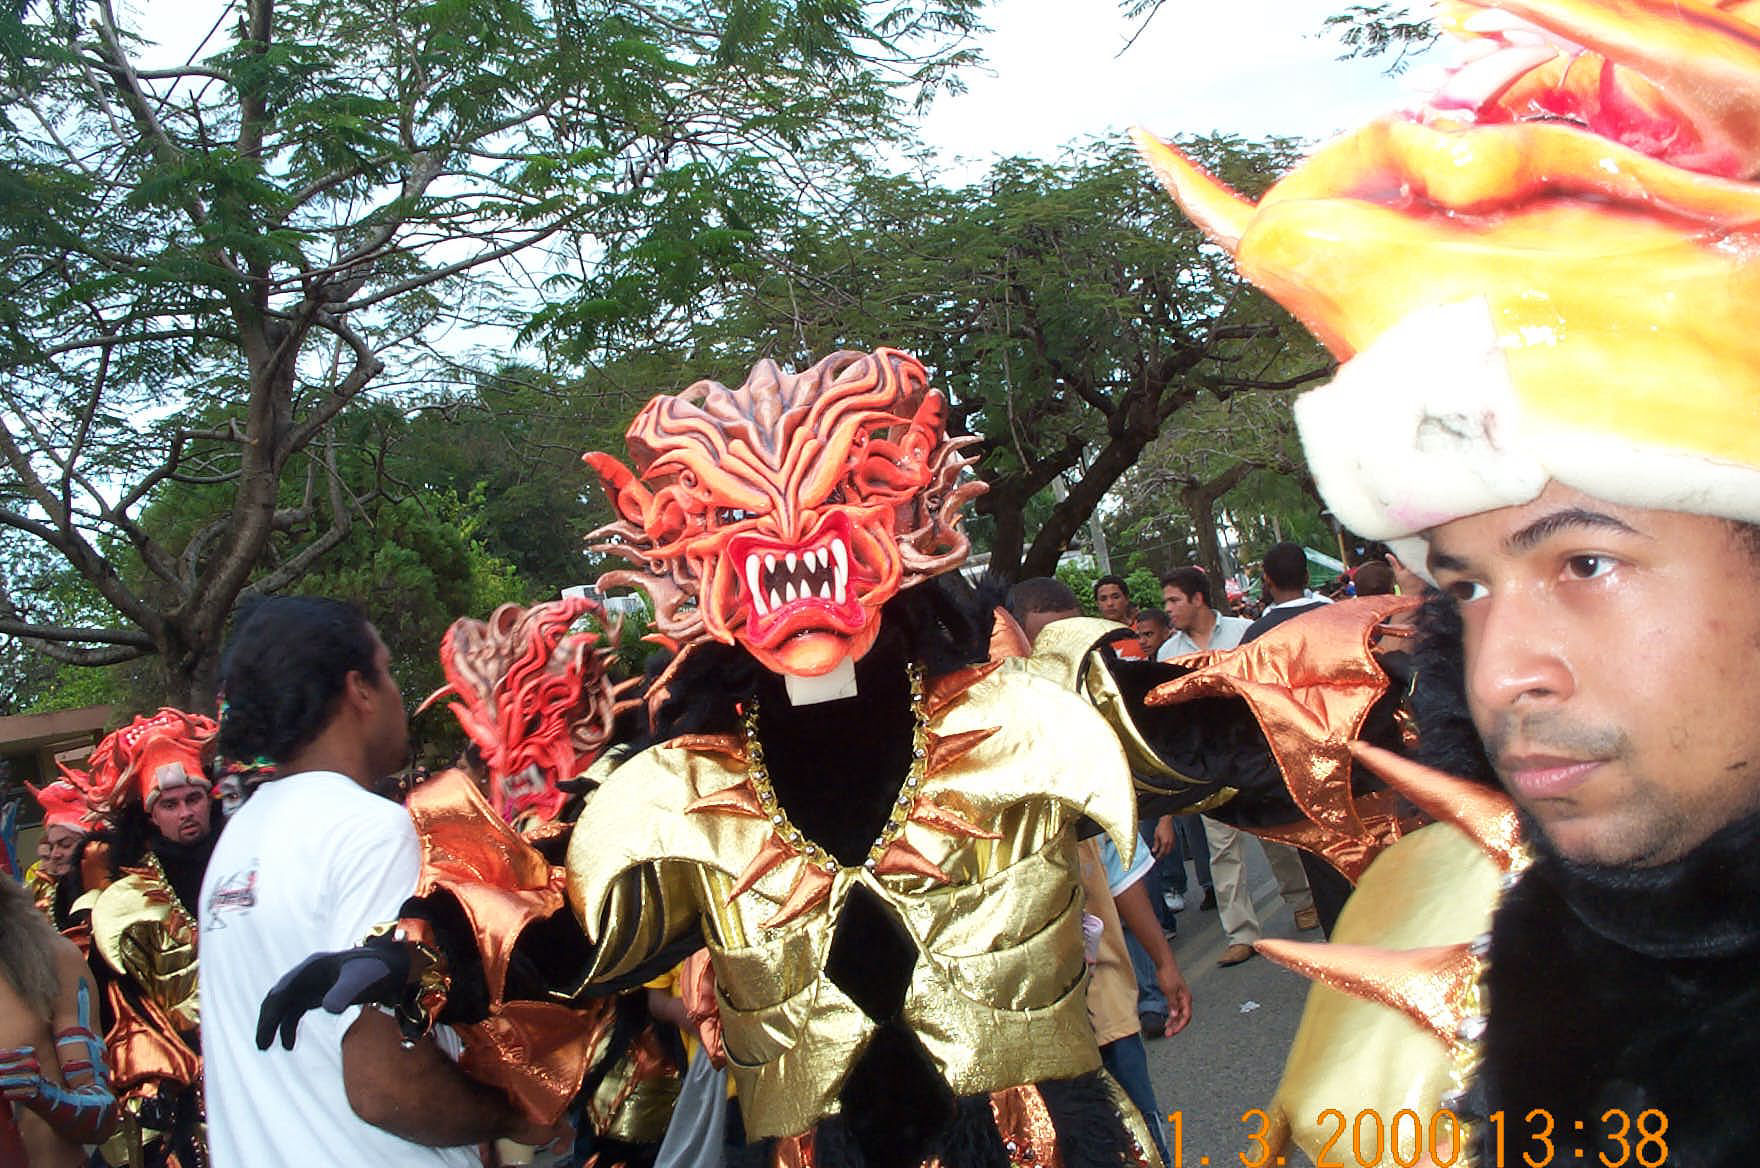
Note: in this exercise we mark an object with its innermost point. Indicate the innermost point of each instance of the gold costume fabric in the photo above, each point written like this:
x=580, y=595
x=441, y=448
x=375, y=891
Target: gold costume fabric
x=143, y=935
x=982, y=876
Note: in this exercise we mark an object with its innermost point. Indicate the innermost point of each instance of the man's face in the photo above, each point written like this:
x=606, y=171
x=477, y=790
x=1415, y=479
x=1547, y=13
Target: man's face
x=388, y=725
x=56, y=849
x=1610, y=669
x=1182, y=610
x=1152, y=633
x=181, y=814
x=1113, y=602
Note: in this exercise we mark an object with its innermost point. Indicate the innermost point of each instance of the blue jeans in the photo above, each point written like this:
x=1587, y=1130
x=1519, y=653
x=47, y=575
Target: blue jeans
x=1150, y=999
x=1127, y=1060
x=1188, y=844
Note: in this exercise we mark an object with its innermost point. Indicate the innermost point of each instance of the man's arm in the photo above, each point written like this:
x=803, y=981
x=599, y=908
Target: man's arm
x=1138, y=915
x=420, y=1095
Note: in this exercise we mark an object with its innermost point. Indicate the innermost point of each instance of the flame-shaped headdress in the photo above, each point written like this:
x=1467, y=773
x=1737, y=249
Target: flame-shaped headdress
x=143, y=760
x=62, y=804
x=1548, y=272
x=785, y=513
x=533, y=697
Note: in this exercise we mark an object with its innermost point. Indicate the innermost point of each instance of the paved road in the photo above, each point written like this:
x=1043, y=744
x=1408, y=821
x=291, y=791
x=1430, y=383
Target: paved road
x=1229, y=1058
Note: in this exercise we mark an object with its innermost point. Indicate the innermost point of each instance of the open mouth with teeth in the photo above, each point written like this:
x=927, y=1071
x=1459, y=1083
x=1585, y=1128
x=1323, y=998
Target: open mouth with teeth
x=798, y=588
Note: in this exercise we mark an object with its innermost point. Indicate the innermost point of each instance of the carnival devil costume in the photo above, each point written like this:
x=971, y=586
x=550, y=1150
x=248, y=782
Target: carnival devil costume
x=867, y=822
x=533, y=694
x=140, y=936
x=1546, y=273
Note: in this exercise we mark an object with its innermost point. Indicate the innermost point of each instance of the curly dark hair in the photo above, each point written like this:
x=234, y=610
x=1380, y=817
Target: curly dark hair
x=283, y=671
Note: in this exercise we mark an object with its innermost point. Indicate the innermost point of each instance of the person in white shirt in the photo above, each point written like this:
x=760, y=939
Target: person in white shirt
x=314, y=860
x=1197, y=626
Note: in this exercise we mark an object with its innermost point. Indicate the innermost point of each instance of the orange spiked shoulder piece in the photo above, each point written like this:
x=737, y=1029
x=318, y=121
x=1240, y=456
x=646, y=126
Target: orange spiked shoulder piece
x=1543, y=272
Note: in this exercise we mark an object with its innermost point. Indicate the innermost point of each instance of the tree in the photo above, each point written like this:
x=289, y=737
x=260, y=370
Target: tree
x=1069, y=309
x=208, y=263
x=1365, y=30
x=1222, y=450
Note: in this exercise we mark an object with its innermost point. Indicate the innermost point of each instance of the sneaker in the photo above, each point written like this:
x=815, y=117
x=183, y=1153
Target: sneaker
x=1208, y=904
x=1154, y=1024
x=1174, y=901
x=1235, y=954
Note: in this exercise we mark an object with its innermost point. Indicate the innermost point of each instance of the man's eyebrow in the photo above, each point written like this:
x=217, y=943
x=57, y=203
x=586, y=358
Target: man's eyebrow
x=1443, y=562
x=1569, y=519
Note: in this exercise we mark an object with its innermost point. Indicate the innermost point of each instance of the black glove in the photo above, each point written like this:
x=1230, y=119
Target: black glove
x=377, y=972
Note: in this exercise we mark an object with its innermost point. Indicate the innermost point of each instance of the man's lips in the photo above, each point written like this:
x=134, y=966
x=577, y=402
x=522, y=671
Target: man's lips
x=1546, y=776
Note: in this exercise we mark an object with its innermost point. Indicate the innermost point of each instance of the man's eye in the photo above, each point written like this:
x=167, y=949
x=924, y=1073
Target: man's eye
x=1588, y=567
x=726, y=515
x=1466, y=590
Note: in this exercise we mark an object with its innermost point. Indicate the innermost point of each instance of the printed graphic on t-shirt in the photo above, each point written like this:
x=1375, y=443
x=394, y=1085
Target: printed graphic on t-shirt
x=234, y=893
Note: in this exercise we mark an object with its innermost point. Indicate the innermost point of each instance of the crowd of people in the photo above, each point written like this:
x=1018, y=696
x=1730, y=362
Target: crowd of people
x=876, y=869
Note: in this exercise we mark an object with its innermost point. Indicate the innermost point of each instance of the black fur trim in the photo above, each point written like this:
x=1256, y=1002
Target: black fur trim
x=896, y=1107
x=1447, y=739
x=1582, y=1025
x=1090, y=1132
x=942, y=623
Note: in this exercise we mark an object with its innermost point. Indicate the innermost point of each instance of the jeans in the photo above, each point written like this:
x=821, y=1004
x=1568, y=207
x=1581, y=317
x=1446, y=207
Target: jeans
x=1150, y=999
x=1127, y=1060
x=1188, y=844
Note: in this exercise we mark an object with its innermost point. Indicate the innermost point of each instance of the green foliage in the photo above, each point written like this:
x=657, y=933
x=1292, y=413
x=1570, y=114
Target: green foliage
x=205, y=268
x=1373, y=30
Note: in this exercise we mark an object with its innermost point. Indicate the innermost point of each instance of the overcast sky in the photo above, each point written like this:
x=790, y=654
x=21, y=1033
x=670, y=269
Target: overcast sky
x=1250, y=67
x=1055, y=72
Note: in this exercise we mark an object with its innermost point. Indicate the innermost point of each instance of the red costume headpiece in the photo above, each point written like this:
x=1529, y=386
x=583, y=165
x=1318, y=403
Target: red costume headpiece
x=62, y=804
x=532, y=696
x=785, y=513
x=144, y=759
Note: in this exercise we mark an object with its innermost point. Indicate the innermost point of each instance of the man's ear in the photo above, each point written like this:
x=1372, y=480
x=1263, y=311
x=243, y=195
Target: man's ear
x=358, y=693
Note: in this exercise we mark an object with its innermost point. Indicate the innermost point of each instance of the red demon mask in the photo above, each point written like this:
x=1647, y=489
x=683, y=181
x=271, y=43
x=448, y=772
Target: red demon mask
x=532, y=696
x=791, y=509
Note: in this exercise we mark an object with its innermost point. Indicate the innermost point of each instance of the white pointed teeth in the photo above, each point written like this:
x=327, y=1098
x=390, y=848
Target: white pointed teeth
x=776, y=579
x=753, y=585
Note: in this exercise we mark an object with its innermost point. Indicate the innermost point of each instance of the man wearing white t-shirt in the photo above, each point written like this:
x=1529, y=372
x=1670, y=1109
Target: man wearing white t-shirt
x=312, y=861
x=1197, y=626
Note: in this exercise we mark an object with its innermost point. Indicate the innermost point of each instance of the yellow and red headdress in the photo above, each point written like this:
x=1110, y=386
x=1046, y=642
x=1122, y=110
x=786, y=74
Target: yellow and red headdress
x=785, y=513
x=144, y=759
x=533, y=697
x=63, y=805
x=1547, y=272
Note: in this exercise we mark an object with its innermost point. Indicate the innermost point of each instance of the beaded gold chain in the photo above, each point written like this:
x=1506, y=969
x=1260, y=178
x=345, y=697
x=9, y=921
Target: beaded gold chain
x=816, y=856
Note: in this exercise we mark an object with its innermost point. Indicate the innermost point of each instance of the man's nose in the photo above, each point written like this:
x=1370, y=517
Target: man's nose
x=1513, y=653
